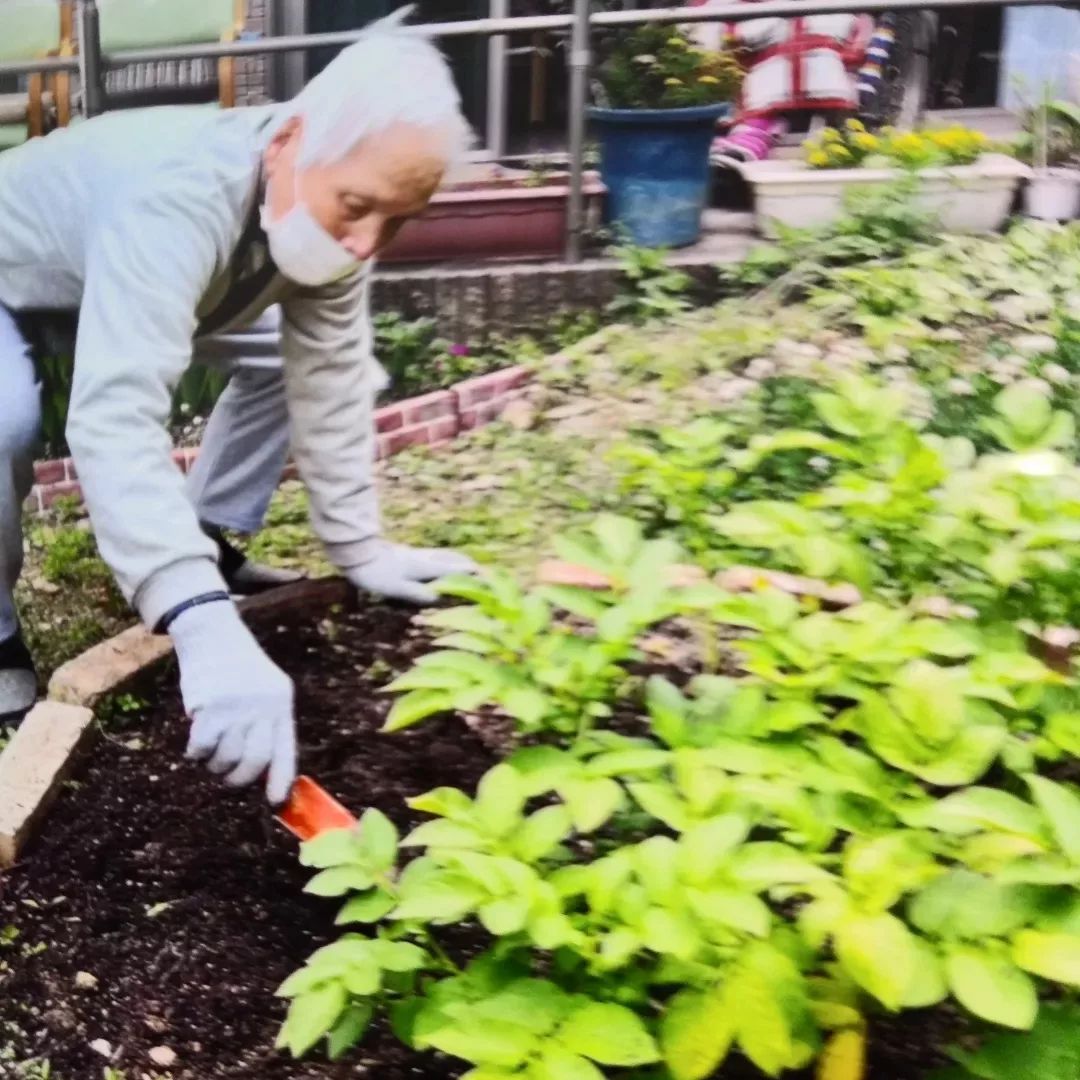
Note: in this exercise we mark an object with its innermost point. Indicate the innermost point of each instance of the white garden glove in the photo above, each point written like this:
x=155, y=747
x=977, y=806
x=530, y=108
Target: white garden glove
x=240, y=703
x=404, y=573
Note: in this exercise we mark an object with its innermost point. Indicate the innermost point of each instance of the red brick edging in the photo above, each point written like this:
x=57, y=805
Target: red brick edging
x=421, y=421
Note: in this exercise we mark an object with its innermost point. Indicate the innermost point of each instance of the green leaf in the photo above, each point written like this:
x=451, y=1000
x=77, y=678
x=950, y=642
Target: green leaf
x=609, y=1035
x=311, y=1016
x=1050, y=956
x=398, y=955
x=349, y=1030
x=732, y=909
x=963, y=905
x=337, y=847
x=670, y=934
x=368, y=908
x=704, y=848
x=990, y=987
x=466, y=620
x=986, y=808
x=661, y=801
x=656, y=863
x=527, y=705
x=500, y=798
x=558, y=1064
x=928, y=697
x=340, y=880
x=765, y=865
x=505, y=916
x=379, y=839
x=416, y=706
x=444, y=834
x=928, y=987
x=1062, y=808
x=300, y=982
x=581, y=602
x=632, y=762
x=767, y=997
x=696, y=1033
x=483, y=1041
x=542, y=833
x=444, y=802
x=879, y=953
x=440, y=901
x=591, y=803
x=535, y=1004
x=668, y=710
x=619, y=537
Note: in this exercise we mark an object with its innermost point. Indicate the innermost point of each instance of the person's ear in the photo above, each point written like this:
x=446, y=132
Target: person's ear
x=283, y=145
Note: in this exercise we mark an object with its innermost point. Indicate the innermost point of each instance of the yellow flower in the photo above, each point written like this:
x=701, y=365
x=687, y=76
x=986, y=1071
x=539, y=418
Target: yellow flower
x=855, y=125
x=864, y=141
x=831, y=135
x=818, y=159
x=839, y=152
x=673, y=81
x=676, y=42
x=709, y=80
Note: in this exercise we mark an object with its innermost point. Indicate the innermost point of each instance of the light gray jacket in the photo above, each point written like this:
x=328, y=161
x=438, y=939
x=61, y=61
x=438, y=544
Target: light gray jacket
x=135, y=219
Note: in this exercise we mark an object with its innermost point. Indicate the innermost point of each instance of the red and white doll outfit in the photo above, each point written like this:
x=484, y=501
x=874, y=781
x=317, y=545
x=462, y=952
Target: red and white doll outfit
x=799, y=65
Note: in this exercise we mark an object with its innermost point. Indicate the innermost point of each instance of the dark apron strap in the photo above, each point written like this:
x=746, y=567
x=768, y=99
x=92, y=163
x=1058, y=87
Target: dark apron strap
x=244, y=291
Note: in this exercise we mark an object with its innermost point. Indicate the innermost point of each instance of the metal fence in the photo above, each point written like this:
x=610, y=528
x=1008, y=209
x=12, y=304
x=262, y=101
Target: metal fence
x=93, y=65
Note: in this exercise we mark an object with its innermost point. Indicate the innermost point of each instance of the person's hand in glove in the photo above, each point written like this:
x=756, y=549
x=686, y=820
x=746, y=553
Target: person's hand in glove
x=404, y=573
x=240, y=703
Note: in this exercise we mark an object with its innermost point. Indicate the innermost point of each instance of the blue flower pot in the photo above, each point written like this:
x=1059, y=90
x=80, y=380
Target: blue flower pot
x=655, y=163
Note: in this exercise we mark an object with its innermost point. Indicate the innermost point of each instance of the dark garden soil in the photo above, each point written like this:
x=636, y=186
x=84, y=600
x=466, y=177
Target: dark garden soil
x=185, y=905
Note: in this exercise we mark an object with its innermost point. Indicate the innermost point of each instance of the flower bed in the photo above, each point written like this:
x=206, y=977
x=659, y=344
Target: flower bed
x=731, y=832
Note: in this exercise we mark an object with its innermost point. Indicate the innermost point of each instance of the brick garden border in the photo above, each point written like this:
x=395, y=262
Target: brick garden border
x=427, y=420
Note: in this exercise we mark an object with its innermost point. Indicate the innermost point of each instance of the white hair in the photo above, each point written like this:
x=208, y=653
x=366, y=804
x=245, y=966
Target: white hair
x=389, y=76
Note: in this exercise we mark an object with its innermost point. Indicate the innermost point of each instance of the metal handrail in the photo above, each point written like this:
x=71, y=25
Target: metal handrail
x=92, y=63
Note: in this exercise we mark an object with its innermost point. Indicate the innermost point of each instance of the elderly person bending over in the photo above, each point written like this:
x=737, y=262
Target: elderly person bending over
x=172, y=233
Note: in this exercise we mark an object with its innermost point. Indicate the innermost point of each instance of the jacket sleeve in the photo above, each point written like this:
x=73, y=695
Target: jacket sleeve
x=146, y=269
x=330, y=385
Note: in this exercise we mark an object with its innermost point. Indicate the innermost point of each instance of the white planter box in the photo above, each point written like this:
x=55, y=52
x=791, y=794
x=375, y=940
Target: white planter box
x=965, y=198
x=1053, y=195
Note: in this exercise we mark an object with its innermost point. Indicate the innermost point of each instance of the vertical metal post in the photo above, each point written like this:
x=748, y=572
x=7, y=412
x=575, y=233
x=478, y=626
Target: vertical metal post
x=498, y=77
x=91, y=69
x=580, y=59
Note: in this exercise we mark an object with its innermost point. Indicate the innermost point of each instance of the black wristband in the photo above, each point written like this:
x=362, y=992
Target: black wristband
x=173, y=614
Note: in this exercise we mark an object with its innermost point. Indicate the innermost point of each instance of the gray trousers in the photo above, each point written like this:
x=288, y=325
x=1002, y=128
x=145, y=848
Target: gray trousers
x=243, y=452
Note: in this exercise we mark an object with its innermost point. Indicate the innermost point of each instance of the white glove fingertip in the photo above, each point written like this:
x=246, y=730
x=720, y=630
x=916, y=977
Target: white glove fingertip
x=230, y=752
x=279, y=783
x=206, y=734
x=413, y=592
x=251, y=766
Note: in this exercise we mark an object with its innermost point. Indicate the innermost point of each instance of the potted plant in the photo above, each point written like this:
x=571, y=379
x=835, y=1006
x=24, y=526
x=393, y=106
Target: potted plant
x=492, y=212
x=659, y=98
x=1051, y=142
x=968, y=186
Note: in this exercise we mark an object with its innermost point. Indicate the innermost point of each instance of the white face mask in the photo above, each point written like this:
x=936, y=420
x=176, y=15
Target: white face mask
x=302, y=249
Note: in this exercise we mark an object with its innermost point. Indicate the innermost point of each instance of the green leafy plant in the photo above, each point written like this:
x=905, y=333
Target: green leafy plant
x=522, y=652
x=1050, y=1051
x=651, y=289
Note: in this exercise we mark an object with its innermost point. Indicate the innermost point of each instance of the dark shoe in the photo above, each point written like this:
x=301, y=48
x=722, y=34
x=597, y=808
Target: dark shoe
x=244, y=577
x=18, y=681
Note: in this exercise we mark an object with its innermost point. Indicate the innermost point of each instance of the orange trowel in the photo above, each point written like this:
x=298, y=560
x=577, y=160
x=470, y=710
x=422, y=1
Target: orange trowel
x=312, y=811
